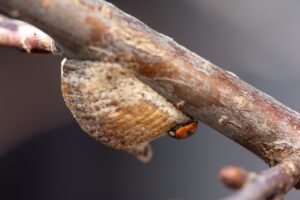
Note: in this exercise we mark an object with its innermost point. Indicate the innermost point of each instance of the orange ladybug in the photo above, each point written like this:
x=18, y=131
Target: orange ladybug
x=183, y=131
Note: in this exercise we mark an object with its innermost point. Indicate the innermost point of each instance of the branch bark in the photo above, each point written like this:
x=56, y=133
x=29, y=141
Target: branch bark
x=96, y=30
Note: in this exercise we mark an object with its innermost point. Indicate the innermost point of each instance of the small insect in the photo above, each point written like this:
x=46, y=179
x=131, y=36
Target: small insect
x=183, y=131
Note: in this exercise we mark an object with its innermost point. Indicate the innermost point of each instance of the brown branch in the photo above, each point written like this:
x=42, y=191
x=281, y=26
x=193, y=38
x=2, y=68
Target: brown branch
x=210, y=94
x=96, y=30
x=270, y=184
x=18, y=34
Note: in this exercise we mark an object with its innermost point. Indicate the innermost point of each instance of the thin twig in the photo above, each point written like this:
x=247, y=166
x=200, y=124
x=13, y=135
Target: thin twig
x=267, y=185
x=18, y=34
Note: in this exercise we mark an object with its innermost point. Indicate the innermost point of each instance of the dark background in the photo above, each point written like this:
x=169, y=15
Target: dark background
x=45, y=155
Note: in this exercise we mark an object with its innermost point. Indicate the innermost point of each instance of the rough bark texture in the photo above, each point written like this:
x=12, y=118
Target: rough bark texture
x=96, y=30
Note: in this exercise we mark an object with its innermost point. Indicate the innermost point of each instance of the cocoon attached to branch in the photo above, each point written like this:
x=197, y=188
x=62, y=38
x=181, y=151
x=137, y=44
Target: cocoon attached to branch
x=116, y=108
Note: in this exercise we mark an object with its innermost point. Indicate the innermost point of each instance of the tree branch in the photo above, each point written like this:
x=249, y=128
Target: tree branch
x=96, y=30
x=18, y=34
x=269, y=184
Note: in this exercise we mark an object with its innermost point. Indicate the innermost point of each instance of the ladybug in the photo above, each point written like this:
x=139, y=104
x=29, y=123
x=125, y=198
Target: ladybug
x=183, y=131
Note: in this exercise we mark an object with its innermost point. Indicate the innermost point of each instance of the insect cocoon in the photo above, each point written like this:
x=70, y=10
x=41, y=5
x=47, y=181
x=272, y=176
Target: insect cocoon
x=116, y=108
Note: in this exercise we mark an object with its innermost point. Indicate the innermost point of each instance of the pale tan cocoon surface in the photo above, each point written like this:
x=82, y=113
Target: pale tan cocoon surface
x=114, y=107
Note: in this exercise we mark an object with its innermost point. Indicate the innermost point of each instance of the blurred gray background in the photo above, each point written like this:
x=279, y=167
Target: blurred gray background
x=45, y=155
